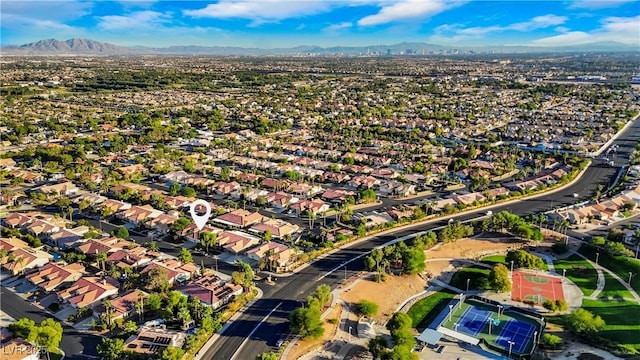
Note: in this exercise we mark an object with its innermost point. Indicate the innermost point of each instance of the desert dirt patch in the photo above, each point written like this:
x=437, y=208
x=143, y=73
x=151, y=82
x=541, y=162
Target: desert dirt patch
x=435, y=268
x=471, y=248
x=303, y=347
x=388, y=294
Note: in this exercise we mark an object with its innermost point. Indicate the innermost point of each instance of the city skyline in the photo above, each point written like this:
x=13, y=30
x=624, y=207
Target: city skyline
x=275, y=23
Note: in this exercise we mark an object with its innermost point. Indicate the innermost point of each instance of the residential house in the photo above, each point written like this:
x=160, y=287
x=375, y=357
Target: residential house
x=40, y=227
x=11, y=244
x=66, y=188
x=16, y=220
x=175, y=176
x=90, y=198
x=54, y=275
x=123, y=306
x=315, y=206
x=68, y=238
x=103, y=245
x=25, y=259
x=133, y=258
x=161, y=223
x=211, y=290
x=113, y=206
x=131, y=170
x=239, y=218
x=152, y=340
x=236, y=242
x=177, y=202
x=7, y=163
x=281, y=255
x=136, y=215
x=191, y=232
x=278, y=228
x=469, y=199
x=177, y=271
x=88, y=291
x=337, y=196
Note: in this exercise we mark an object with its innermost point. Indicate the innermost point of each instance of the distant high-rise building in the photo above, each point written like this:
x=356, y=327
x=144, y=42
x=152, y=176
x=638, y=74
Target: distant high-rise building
x=388, y=51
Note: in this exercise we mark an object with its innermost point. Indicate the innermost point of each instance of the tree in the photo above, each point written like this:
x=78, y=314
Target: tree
x=499, y=278
x=268, y=356
x=153, y=302
x=413, y=261
x=267, y=236
x=323, y=294
x=157, y=280
x=306, y=322
x=185, y=256
x=377, y=346
x=189, y=191
x=101, y=259
x=367, y=308
x=48, y=335
x=583, y=322
x=121, y=232
x=550, y=341
x=208, y=239
x=153, y=246
x=108, y=312
x=22, y=328
x=522, y=259
x=130, y=327
x=110, y=349
x=172, y=353
x=174, y=188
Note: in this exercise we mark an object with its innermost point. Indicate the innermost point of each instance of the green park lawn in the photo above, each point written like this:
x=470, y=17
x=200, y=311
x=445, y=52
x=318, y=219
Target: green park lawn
x=614, y=289
x=478, y=278
x=580, y=272
x=621, y=265
x=423, y=312
x=621, y=318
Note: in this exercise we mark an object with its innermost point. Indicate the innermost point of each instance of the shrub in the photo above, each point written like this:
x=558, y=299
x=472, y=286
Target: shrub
x=551, y=341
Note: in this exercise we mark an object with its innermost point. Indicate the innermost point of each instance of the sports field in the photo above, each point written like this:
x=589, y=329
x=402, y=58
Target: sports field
x=536, y=287
x=500, y=328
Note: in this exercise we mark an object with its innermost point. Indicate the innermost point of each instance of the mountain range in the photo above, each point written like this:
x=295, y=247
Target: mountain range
x=78, y=46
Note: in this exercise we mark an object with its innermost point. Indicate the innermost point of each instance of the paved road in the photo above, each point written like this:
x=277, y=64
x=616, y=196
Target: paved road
x=76, y=345
x=296, y=288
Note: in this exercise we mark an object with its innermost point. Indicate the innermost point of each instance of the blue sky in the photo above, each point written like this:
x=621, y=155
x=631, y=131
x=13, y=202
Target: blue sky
x=277, y=23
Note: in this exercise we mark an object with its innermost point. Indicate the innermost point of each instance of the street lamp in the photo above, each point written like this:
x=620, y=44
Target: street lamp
x=349, y=333
x=455, y=326
x=490, y=322
x=511, y=265
x=216, y=258
x=630, y=275
x=345, y=272
x=597, y=257
x=499, y=309
x=450, y=311
x=564, y=271
x=510, y=346
x=468, y=284
x=535, y=337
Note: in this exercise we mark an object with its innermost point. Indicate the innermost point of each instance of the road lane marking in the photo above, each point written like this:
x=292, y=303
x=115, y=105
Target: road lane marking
x=253, y=331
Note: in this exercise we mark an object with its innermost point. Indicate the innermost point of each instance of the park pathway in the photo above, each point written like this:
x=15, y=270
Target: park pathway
x=601, y=280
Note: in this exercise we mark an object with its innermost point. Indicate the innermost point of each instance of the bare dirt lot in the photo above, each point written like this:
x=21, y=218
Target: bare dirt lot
x=306, y=346
x=471, y=248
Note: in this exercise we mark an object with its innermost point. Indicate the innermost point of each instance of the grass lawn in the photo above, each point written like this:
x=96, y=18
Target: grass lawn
x=494, y=259
x=425, y=310
x=479, y=278
x=621, y=318
x=621, y=265
x=613, y=288
x=580, y=272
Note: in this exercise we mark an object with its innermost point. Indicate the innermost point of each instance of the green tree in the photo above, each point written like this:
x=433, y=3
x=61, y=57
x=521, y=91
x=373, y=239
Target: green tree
x=172, y=353
x=189, y=191
x=499, y=278
x=306, y=322
x=268, y=356
x=367, y=308
x=174, y=188
x=158, y=280
x=208, y=239
x=413, y=261
x=22, y=327
x=153, y=302
x=121, y=232
x=185, y=256
x=323, y=294
x=583, y=322
x=378, y=347
x=110, y=349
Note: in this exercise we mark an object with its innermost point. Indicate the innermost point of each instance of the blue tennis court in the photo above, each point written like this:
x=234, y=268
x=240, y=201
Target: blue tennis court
x=519, y=332
x=473, y=320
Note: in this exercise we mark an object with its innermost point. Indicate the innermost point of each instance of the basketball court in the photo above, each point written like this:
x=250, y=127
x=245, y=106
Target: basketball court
x=528, y=286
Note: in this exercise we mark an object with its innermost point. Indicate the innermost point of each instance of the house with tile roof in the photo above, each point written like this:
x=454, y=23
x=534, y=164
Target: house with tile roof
x=152, y=340
x=122, y=306
x=11, y=244
x=211, y=290
x=236, y=241
x=315, y=206
x=55, y=275
x=25, y=259
x=16, y=220
x=279, y=228
x=239, y=218
x=68, y=238
x=88, y=291
x=177, y=271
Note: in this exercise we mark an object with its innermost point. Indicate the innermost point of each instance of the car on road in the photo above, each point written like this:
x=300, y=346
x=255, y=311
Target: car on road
x=279, y=343
x=575, y=195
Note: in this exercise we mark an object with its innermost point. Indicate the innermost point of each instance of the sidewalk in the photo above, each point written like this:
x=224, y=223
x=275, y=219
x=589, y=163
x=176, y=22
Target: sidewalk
x=599, y=288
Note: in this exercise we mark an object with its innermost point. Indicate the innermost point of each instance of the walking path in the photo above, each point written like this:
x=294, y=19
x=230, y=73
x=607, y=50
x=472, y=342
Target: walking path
x=601, y=280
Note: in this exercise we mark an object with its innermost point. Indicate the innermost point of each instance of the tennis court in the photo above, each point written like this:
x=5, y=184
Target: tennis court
x=473, y=320
x=535, y=287
x=518, y=332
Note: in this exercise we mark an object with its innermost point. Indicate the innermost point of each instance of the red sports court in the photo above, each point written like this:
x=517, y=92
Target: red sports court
x=535, y=287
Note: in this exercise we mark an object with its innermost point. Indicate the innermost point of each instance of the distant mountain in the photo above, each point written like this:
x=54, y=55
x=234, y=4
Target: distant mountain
x=71, y=46
x=91, y=47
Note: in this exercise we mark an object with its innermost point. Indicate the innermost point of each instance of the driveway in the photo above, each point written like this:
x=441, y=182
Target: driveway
x=84, y=325
x=65, y=312
x=48, y=300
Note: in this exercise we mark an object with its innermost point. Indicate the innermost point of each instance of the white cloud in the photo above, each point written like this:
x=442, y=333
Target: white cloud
x=620, y=29
x=134, y=21
x=339, y=26
x=405, y=10
x=598, y=4
x=260, y=11
x=458, y=33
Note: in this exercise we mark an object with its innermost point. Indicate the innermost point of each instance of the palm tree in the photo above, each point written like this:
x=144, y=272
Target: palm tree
x=18, y=261
x=153, y=246
x=140, y=307
x=108, y=312
x=101, y=259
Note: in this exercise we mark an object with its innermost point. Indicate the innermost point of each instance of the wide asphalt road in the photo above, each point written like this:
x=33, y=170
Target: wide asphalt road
x=75, y=344
x=292, y=290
